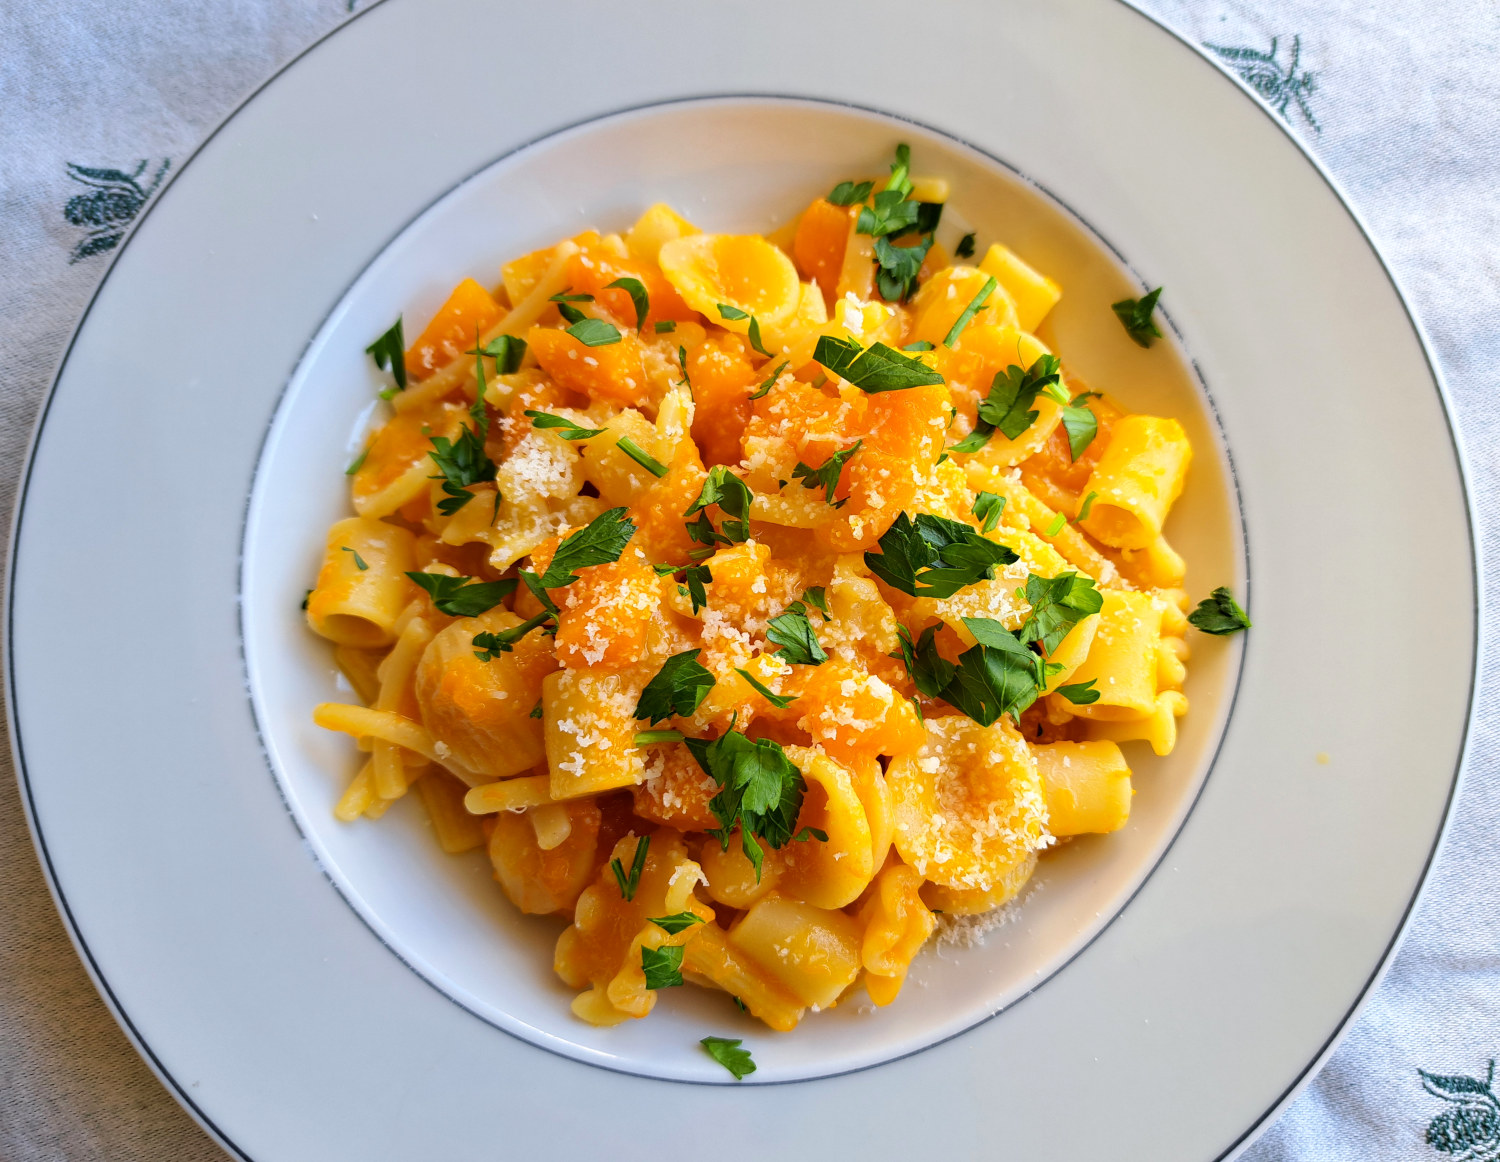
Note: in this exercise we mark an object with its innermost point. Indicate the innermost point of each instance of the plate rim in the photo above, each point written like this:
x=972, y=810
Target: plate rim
x=1434, y=371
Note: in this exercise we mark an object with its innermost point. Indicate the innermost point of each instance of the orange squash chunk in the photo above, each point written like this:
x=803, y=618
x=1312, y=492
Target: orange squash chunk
x=612, y=372
x=818, y=248
x=661, y=532
x=853, y=714
x=606, y=613
x=594, y=267
x=723, y=380
x=676, y=791
x=470, y=311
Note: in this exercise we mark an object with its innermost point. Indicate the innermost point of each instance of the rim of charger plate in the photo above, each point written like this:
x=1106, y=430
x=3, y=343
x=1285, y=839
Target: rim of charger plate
x=91, y=966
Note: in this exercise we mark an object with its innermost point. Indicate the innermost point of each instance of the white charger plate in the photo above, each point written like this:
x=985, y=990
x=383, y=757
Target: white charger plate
x=279, y=1015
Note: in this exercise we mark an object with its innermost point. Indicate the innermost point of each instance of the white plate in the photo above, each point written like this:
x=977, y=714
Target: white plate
x=196, y=877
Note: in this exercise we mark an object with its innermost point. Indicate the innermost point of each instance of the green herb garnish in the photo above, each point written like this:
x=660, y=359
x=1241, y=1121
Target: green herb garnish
x=507, y=351
x=930, y=671
x=827, y=475
x=599, y=542
x=872, y=369
x=728, y=1053
x=359, y=562
x=655, y=737
x=389, y=353
x=678, y=688
x=780, y=701
x=935, y=557
x=987, y=509
x=676, y=922
x=1080, y=693
x=734, y=498
x=1057, y=605
x=595, y=332
x=793, y=632
x=647, y=461
x=662, y=966
x=665, y=326
x=770, y=380
x=1219, y=614
x=629, y=883
x=568, y=430
x=965, y=247
x=760, y=788
x=638, y=297
x=969, y=312
x=1135, y=317
x=850, y=193
x=463, y=596
x=489, y=646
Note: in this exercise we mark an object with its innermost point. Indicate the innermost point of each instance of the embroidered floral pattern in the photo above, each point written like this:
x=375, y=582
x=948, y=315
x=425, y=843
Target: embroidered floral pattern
x=1470, y=1127
x=113, y=201
x=1280, y=86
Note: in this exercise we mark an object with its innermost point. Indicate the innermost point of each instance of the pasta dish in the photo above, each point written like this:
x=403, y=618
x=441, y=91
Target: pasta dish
x=755, y=601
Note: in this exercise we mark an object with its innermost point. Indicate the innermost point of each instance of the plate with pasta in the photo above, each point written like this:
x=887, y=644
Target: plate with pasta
x=752, y=585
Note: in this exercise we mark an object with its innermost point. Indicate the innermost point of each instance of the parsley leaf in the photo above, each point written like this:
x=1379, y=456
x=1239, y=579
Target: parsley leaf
x=987, y=509
x=1087, y=507
x=676, y=922
x=734, y=498
x=919, y=345
x=1135, y=317
x=536, y=711
x=876, y=368
x=899, y=267
x=850, y=193
x=1057, y=605
x=653, y=737
x=462, y=596
x=935, y=557
x=358, y=462
x=629, y=883
x=679, y=688
x=1013, y=391
x=780, y=701
x=594, y=332
x=827, y=476
x=759, y=787
x=647, y=461
x=662, y=966
x=734, y=313
x=696, y=577
x=793, y=632
x=599, y=542
x=997, y=676
x=389, y=353
x=728, y=1053
x=1056, y=526
x=1080, y=693
x=570, y=313
x=359, y=562
x=965, y=247
x=930, y=671
x=306, y=597
x=638, y=297
x=969, y=312
x=770, y=380
x=1081, y=425
x=570, y=430
x=507, y=351
x=929, y=214
x=463, y=464
x=665, y=326
x=1219, y=614
x=489, y=646
x=817, y=597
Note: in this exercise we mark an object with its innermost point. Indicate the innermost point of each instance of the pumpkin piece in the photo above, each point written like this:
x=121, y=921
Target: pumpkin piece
x=602, y=947
x=590, y=730
x=723, y=380
x=796, y=423
x=853, y=714
x=661, y=532
x=737, y=270
x=542, y=882
x=897, y=924
x=659, y=225
x=481, y=711
x=605, y=615
x=675, y=792
x=396, y=465
x=822, y=234
x=597, y=264
x=969, y=804
x=469, y=312
x=812, y=953
x=833, y=872
x=611, y=372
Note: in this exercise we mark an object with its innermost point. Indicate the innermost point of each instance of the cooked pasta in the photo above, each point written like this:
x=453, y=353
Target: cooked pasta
x=755, y=601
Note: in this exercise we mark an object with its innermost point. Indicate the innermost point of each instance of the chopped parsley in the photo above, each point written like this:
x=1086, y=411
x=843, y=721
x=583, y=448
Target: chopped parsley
x=306, y=597
x=662, y=966
x=359, y=562
x=639, y=299
x=770, y=380
x=595, y=332
x=727, y=1052
x=1219, y=614
x=463, y=596
x=919, y=345
x=793, y=632
x=817, y=597
x=935, y=557
x=872, y=369
x=850, y=193
x=676, y=922
x=507, y=351
x=1087, y=507
x=965, y=247
x=734, y=498
x=735, y=314
x=489, y=646
x=827, y=476
x=1080, y=693
x=780, y=701
x=571, y=313
x=999, y=675
x=899, y=267
x=891, y=211
x=1008, y=404
x=536, y=711
x=568, y=430
x=1135, y=317
x=389, y=353
x=463, y=462
x=969, y=312
x=759, y=788
x=678, y=688
x=629, y=883
x=599, y=542
x=1057, y=605
x=1056, y=525
x=929, y=670
x=1080, y=423
x=654, y=737
x=695, y=577
x=665, y=326
x=647, y=461
x=987, y=509
x=358, y=463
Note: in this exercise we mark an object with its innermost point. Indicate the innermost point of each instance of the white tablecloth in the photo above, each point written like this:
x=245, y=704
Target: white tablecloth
x=1399, y=98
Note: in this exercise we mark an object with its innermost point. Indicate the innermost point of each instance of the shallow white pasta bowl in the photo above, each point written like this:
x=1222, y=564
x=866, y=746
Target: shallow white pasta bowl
x=311, y=988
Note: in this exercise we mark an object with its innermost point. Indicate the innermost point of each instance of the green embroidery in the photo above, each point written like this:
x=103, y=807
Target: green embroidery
x=105, y=213
x=1470, y=1127
x=1279, y=86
